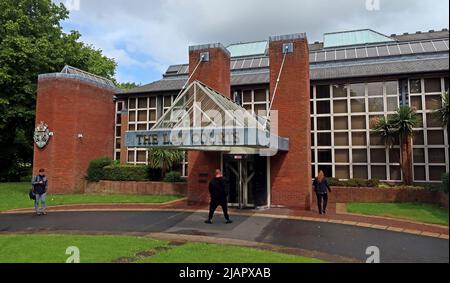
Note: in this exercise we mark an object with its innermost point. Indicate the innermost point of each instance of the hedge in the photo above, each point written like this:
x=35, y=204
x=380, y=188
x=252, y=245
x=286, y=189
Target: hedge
x=95, y=171
x=125, y=173
x=373, y=183
x=173, y=177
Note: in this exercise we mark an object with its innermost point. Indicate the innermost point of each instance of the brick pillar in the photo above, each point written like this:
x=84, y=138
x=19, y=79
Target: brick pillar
x=71, y=107
x=123, y=129
x=214, y=73
x=291, y=171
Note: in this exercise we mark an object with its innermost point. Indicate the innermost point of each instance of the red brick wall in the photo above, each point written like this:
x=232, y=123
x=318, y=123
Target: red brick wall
x=202, y=165
x=291, y=171
x=71, y=107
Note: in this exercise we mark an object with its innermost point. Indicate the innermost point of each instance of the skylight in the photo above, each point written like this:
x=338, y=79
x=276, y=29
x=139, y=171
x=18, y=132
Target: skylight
x=355, y=37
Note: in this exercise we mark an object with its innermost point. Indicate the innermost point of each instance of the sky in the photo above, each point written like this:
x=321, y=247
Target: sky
x=146, y=36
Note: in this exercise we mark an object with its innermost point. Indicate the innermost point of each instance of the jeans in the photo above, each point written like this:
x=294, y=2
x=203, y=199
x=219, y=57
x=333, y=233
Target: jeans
x=36, y=202
x=319, y=202
x=213, y=206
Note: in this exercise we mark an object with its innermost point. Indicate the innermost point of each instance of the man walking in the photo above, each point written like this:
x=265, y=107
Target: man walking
x=219, y=196
x=40, y=186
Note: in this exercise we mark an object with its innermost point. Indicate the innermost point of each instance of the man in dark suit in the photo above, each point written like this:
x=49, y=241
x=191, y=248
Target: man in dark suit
x=218, y=189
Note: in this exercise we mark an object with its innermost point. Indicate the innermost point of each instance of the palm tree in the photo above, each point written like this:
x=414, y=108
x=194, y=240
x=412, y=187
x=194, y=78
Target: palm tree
x=164, y=159
x=442, y=113
x=400, y=126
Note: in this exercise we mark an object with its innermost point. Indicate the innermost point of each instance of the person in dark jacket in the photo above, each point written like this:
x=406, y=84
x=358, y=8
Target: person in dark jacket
x=40, y=187
x=321, y=188
x=218, y=189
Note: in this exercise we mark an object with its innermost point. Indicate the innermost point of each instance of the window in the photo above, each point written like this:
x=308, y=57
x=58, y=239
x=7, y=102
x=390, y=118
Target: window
x=415, y=86
x=432, y=85
x=339, y=91
x=357, y=90
x=322, y=91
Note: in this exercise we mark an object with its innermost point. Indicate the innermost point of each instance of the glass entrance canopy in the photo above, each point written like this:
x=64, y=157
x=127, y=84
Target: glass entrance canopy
x=203, y=119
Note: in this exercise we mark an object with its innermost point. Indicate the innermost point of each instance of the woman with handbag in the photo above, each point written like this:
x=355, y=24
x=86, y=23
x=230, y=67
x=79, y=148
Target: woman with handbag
x=40, y=186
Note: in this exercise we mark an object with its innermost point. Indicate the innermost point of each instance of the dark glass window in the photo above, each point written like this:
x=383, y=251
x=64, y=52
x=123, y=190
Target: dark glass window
x=433, y=85
x=323, y=123
x=322, y=91
x=324, y=155
x=323, y=107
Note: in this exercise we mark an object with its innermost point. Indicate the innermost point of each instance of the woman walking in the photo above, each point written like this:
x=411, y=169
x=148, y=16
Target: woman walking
x=321, y=188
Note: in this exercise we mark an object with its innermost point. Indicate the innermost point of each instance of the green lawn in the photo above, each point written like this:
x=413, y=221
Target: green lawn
x=15, y=195
x=426, y=213
x=105, y=249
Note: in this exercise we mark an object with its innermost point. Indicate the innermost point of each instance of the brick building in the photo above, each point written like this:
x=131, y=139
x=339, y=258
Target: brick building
x=326, y=95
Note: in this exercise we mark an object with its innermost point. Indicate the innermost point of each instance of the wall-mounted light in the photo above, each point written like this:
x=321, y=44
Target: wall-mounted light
x=80, y=136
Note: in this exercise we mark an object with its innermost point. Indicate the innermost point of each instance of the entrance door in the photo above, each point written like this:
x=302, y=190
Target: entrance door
x=247, y=177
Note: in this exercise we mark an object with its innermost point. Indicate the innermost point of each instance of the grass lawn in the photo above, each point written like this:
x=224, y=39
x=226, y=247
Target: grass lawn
x=15, y=195
x=426, y=213
x=105, y=249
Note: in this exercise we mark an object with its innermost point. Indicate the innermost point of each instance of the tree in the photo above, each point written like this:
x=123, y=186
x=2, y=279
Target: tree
x=127, y=86
x=32, y=42
x=442, y=113
x=399, y=127
x=164, y=159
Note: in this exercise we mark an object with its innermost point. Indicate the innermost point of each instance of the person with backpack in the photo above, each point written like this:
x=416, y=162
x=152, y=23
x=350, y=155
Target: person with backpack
x=321, y=188
x=40, y=187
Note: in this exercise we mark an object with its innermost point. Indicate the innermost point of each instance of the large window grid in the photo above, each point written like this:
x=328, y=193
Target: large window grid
x=343, y=144
x=118, y=129
x=430, y=143
x=143, y=114
x=253, y=100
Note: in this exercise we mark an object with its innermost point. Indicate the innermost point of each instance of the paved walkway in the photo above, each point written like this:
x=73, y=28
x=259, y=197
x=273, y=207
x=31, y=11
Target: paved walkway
x=334, y=215
x=336, y=240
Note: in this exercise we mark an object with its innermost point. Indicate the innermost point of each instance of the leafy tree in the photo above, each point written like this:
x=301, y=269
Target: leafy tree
x=399, y=127
x=126, y=86
x=164, y=159
x=32, y=42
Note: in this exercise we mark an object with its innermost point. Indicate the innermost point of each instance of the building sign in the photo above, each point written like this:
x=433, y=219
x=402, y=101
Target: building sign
x=42, y=135
x=204, y=137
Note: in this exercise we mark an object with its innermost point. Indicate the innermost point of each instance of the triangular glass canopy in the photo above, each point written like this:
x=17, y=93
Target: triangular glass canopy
x=203, y=119
x=202, y=106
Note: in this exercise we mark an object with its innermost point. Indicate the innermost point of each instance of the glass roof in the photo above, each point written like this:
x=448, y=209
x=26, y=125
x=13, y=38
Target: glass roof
x=248, y=49
x=214, y=109
x=355, y=37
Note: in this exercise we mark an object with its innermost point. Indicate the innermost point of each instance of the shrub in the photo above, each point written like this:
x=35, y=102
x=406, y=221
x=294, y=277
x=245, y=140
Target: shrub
x=445, y=182
x=125, y=173
x=354, y=183
x=173, y=177
x=95, y=171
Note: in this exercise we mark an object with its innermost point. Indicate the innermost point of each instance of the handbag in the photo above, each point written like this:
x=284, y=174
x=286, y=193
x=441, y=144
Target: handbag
x=32, y=195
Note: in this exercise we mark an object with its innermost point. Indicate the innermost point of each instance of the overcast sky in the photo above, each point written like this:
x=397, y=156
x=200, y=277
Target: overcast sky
x=145, y=36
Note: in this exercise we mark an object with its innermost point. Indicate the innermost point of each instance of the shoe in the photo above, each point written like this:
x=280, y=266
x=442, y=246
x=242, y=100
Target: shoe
x=324, y=212
x=320, y=212
x=38, y=214
x=229, y=221
x=208, y=221
x=44, y=213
